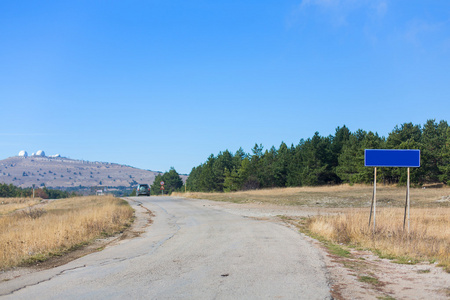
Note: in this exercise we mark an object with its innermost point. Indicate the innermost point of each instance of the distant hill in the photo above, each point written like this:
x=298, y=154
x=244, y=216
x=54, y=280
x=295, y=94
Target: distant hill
x=61, y=172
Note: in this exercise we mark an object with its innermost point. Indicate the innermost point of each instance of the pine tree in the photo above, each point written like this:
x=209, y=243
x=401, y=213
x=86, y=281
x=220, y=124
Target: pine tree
x=280, y=166
x=351, y=159
x=172, y=181
x=294, y=165
x=232, y=182
x=444, y=167
x=223, y=161
x=432, y=142
x=407, y=136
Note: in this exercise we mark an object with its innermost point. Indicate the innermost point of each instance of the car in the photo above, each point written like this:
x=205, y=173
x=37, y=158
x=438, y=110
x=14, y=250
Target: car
x=143, y=189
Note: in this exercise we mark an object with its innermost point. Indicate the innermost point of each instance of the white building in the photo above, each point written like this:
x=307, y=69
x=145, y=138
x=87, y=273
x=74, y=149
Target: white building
x=40, y=153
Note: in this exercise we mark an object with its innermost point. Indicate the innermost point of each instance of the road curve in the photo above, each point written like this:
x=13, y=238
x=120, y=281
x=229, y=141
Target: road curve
x=191, y=251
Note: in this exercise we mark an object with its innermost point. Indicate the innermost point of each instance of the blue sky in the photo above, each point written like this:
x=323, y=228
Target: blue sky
x=156, y=84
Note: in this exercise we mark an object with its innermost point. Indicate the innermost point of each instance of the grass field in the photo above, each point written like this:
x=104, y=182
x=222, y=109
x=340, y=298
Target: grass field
x=345, y=215
x=428, y=239
x=36, y=232
x=9, y=205
x=340, y=196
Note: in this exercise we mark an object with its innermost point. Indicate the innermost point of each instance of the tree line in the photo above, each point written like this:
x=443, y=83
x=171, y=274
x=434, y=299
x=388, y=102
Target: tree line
x=12, y=191
x=322, y=160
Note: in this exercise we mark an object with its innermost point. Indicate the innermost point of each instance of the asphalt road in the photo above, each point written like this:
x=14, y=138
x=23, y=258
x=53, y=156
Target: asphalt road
x=191, y=251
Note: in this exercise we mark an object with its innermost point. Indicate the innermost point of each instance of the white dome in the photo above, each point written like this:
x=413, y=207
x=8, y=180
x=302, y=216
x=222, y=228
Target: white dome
x=23, y=153
x=40, y=153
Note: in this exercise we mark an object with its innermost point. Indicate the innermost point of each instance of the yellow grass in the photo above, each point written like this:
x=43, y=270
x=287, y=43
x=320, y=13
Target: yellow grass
x=429, y=237
x=37, y=233
x=333, y=196
x=8, y=205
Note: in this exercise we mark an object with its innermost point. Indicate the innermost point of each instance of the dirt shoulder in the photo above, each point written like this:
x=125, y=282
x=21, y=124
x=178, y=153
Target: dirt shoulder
x=143, y=218
x=362, y=275
x=366, y=276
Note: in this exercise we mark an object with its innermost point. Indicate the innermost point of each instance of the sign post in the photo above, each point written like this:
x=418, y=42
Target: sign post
x=407, y=204
x=373, y=206
x=391, y=158
x=162, y=188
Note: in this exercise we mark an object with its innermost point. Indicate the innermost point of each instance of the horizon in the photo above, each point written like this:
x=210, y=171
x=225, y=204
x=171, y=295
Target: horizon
x=58, y=155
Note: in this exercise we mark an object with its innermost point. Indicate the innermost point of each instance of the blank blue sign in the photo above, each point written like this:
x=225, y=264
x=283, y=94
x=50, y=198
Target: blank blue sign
x=391, y=158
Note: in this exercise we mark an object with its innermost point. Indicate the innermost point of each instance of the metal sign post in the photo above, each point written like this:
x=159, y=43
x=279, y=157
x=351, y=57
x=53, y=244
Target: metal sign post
x=407, y=205
x=391, y=158
x=373, y=207
x=162, y=188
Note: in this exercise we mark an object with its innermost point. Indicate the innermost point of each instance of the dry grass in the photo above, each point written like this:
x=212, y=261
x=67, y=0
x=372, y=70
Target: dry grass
x=36, y=233
x=429, y=237
x=8, y=205
x=334, y=196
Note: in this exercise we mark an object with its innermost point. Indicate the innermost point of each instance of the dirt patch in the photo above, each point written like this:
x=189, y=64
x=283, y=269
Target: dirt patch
x=366, y=276
x=143, y=218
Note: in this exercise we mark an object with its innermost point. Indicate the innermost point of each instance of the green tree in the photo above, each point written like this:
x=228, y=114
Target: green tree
x=155, y=187
x=247, y=177
x=238, y=157
x=434, y=137
x=254, y=169
x=232, y=182
x=400, y=135
x=317, y=164
x=280, y=165
x=351, y=167
x=208, y=181
x=294, y=165
x=172, y=182
x=444, y=167
x=193, y=179
x=407, y=136
x=326, y=160
x=340, y=139
x=351, y=159
x=224, y=161
x=267, y=162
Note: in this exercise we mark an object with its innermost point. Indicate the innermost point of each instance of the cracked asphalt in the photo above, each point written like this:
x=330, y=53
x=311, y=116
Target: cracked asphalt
x=191, y=251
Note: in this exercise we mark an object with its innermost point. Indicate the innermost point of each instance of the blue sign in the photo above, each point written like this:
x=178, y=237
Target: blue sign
x=391, y=158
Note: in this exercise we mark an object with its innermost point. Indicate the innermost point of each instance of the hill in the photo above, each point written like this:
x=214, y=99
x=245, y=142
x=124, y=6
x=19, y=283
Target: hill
x=61, y=172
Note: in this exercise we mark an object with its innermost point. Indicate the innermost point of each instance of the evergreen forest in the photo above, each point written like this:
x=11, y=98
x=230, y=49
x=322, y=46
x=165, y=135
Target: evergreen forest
x=325, y=160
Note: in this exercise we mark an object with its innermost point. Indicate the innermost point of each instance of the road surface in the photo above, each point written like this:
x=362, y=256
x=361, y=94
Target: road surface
x=191, y=251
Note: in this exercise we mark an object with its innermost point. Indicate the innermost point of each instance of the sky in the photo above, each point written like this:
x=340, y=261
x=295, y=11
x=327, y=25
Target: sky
x=158, y=84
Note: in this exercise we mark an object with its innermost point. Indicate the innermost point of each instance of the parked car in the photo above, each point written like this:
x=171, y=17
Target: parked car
x=143, y=189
